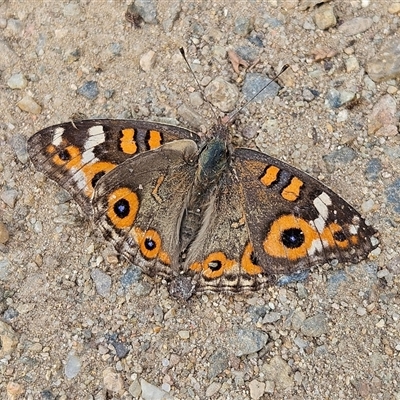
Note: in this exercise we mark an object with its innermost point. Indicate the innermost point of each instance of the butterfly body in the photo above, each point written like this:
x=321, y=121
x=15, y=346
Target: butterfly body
x=218, y=217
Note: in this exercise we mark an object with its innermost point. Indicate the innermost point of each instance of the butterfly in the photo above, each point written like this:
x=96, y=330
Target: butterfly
x=204, y=215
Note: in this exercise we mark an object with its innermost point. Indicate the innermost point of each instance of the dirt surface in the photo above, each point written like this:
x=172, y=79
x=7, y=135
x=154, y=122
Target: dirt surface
x=333, y=336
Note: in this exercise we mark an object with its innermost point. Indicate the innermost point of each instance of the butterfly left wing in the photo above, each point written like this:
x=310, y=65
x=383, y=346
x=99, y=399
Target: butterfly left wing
x=294, y=220
x=77, y=154
x=268, y=218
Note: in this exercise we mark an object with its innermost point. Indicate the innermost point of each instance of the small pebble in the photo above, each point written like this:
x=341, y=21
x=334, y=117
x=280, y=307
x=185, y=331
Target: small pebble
x=352, y=64
x=315, y=326
x=386, y=63
x=147, y=9
x=151, y=392
x=9, y=196
x=257, y=389
x=89, y=90
x=355, y=26
x=184, y=334
x=278, y=371
x=147, y=60
x=132, y=275
x=17, y=81
x=222, y=94
x=213, y=389
x=243, y=25
x=102, y=282
x=4, y=235
x=325, y=17
x=72, y=366
x=248, y=341
x=71, y=10
x=8, y=339
x=361, y=311
x=19, y=145
x=113, y=381
x=28, y=104
x=383, y=114
x=14, y=391
x=255, y=82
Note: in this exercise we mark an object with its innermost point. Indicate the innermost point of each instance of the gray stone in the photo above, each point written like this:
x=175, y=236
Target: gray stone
x=248, y=341
x=132, y=275
x=102, y=282
x=15, y=27
x=373, y=169
x=335, y=281
x=255, y=82
x=219, y=361
x=393, y=195
x=172, y=14
x=71, y=10
x=72, y=366
x=19, y=145
x=315, y=326
x=344, y=155
x=147, y=10
x=89, y=90
x=355, y=26
x=9, y=196
x=386, y=64
x=151, y=392
x=278, y=371
x=7, y=56
x=17, y=81
x=243, y=25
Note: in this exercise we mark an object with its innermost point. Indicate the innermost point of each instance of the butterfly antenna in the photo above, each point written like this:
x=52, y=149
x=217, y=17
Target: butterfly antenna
x=182, y=51
x=235, y=113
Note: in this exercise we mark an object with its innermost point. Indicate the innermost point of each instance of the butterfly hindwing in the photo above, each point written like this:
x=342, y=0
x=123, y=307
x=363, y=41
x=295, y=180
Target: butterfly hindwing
x=139, y=205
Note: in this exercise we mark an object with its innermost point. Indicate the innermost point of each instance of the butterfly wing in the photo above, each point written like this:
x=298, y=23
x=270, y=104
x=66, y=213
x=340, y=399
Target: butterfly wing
x=139, y=205
x=268, y=218
x=294, y=220
x=77, y=154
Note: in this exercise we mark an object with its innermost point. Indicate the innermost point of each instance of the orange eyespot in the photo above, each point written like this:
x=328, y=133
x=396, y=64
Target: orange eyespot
x=123, y=206
x=150, y=245
x=290, y=237
x=214, y=266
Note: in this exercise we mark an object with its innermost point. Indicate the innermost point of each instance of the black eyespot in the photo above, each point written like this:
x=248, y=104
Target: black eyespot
x=215, y=265
x=292, y=238
x=97, y=177
x=339, y=236
x=64, y=155
x=121, y=208
x=150, y=244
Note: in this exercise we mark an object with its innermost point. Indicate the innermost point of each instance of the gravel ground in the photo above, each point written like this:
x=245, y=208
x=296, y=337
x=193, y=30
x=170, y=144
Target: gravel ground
x=78, y=322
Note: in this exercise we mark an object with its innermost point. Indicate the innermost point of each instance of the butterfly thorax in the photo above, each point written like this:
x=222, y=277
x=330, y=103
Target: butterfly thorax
x=213, y=160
